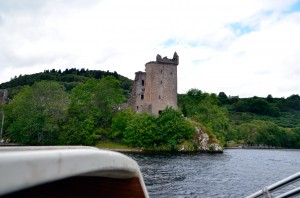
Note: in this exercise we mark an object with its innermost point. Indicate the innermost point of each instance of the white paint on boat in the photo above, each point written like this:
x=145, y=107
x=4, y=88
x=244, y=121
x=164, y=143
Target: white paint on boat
x=24, y=167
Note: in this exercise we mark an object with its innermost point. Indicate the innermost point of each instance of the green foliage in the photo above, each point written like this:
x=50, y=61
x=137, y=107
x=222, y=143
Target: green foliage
x=262, y=133
x=112, y=145
x=165, y=132
x=204, y=108
x=293, y=137
x=258, y=106
x=44, y=114
x=36, y=112
x=173, y=128
x=184, y=111
x=119, y=124
x=80, y=132
x=292, y=102
x=189, y=145
x=270, y=98
x=223, y=98
x=142, y=132
x=213, y=116
x=92, y=107
x=251, y=121
x=286, y=119
x=70, y=79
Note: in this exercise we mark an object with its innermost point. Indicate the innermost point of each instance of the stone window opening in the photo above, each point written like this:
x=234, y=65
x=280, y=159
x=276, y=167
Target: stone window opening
x=159, y=112
x=159, y=97
x=171, y=73
x=161, y=82
x=143, y=83
x=142, y=97
x=137, y=108
x=160, y=71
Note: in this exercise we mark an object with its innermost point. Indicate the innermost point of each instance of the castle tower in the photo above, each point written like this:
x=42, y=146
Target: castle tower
x=161, y=84
x=155, y=89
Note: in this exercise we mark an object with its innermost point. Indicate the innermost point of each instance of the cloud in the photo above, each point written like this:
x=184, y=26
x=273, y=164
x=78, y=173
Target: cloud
x=233, y=46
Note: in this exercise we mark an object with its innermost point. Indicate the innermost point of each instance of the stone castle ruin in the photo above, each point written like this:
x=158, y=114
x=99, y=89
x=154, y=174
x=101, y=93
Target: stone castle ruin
x=155, y=89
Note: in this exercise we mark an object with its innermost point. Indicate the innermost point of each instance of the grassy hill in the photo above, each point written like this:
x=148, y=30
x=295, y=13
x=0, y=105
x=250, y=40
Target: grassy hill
x=70, y=78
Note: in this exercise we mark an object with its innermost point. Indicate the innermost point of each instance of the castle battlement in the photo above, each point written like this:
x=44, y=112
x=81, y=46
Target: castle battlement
x=166, y=60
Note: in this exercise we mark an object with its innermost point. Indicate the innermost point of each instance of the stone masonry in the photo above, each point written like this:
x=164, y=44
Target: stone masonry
x=155, y=89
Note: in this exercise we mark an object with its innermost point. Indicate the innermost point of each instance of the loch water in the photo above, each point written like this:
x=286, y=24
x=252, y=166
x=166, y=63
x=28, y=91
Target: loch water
x=235, y=173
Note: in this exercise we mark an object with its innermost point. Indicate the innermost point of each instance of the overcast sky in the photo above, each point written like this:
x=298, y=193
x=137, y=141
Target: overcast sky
x=241, y=47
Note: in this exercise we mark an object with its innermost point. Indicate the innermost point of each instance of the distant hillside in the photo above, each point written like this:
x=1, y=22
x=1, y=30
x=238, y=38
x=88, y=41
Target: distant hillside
x=284, y=112
x=70, y=78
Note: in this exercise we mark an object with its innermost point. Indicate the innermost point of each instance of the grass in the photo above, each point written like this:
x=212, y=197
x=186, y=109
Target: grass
x=111, y=145
x=286, y=119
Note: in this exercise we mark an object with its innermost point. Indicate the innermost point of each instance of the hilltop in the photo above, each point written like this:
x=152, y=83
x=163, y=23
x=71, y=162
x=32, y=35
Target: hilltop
x=70, y=78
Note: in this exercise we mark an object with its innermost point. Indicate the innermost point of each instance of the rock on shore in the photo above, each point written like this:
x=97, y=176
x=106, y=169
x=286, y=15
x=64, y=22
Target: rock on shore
x=204, y=143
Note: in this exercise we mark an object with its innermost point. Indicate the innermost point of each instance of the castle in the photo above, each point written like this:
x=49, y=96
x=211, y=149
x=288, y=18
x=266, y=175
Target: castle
x=155, y=89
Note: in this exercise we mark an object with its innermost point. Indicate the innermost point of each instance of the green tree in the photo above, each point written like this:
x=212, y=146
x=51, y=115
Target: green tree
x=120, y=122
x=270, y=98
x=142, y=132
x=173, y=129
x=204, y=108
x=262, y=133
x=295, y=137
x=164, y=132
x=293, y=102
x=93, y=103
x=223, y=98
x=37, y=112
x=184, y=111
x=213, y=116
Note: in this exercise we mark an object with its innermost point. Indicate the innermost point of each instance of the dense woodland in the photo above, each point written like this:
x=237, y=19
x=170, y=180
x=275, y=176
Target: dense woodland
x=69, y=78
x=82, y=107
x=79, y=107
x=246, y=121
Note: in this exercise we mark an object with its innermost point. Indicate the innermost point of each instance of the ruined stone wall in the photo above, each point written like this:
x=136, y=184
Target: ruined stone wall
x=137, y=98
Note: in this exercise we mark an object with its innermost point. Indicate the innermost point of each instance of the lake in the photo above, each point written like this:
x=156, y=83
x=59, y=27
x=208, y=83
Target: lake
x=235, y=173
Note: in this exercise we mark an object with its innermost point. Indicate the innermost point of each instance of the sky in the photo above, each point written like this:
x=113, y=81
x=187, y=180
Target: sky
x=244, y=48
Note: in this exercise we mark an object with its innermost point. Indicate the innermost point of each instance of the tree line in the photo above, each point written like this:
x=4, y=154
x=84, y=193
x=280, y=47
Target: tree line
x=47, y=112
x=251, y=121
x=69, y=78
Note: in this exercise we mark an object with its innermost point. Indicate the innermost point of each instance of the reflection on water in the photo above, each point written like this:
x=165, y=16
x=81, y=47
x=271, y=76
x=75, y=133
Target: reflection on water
x=236, y=173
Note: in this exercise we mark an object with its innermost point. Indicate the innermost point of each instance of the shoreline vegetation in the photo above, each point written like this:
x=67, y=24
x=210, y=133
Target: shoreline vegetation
x=82, y=107
x=117, y=147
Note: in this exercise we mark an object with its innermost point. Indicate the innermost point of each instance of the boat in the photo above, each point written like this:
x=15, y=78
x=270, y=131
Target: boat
x=269, y=190
x=64, y=171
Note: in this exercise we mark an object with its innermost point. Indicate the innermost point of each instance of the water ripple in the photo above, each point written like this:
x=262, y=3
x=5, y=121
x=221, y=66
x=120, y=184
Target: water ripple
x=236, y=173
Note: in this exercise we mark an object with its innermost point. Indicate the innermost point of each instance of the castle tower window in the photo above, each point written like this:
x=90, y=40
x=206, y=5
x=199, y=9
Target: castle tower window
x=159, y=97
x=161, y=82
x=142, y=97
x=137, y=108
x=160, y=71
x=171, y=73
x=143, y=82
